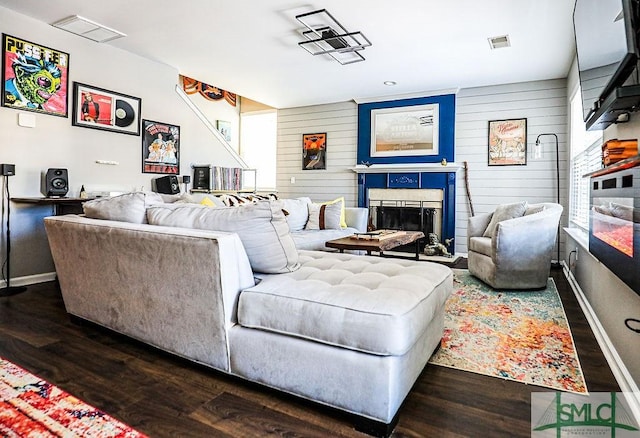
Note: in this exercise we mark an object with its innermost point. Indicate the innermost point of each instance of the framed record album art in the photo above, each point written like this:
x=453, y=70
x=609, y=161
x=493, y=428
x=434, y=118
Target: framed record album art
x=160, y=148
x=97, y=108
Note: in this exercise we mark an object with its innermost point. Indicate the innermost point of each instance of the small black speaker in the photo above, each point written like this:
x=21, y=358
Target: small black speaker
x=55, y=183
x=7, y=169
x=168, y=185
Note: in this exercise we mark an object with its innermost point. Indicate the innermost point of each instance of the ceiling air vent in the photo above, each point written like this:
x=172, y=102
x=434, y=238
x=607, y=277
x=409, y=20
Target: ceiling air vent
x=88, y=29
x=499, y=42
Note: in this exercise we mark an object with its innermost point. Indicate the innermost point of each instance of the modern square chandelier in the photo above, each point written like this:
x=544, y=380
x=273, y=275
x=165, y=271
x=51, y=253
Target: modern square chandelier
x=326, y=36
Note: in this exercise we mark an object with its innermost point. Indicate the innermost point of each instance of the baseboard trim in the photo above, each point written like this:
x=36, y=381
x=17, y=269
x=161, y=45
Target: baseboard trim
x=30, y=279
x=627, y=384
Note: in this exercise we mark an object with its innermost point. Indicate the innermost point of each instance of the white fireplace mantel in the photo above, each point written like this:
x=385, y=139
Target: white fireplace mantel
x=406, y=167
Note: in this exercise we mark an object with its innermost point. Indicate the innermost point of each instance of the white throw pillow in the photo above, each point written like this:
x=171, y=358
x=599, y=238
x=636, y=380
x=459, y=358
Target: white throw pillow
x=130, y=207
x=261, y=227
x=502, y=213
x=297, y=212
x=324, y=216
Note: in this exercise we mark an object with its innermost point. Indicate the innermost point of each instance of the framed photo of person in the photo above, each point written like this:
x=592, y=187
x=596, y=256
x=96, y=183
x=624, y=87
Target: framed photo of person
x=160, y=148
x=97, y=108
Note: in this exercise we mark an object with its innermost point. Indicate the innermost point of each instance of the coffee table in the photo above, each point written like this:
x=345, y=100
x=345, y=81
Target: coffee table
x=380, y=246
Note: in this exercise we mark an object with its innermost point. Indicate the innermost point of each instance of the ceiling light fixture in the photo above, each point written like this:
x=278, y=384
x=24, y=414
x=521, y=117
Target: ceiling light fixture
x=390, y=83
x=88, y=29
x=326, y=36
x=499, y=42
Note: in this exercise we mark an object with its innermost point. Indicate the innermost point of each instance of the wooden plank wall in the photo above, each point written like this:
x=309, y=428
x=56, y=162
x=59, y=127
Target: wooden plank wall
x=340, y=122
x=543, y=103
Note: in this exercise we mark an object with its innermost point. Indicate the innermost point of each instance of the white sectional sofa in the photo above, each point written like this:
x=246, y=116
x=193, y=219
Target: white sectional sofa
x=348, y=331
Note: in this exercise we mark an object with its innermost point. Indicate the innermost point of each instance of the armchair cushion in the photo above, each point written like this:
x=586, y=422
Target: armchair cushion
x=504, y=212
x=481, y=245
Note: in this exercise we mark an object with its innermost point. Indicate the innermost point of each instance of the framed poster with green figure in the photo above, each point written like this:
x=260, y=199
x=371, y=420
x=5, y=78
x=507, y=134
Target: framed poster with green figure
x=34, y=77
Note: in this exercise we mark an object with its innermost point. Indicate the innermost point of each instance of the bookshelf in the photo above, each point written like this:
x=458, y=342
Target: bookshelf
x=218, y=179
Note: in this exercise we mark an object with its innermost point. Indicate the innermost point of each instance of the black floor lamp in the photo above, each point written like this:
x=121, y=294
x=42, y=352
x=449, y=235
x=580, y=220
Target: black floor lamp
x=537, y=154
x=8, y=170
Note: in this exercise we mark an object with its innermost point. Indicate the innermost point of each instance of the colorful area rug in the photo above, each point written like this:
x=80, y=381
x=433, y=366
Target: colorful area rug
x=521, y=336
x=32, y=407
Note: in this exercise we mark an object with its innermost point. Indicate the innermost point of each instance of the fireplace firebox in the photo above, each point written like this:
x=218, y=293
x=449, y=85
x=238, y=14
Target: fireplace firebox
x=407, y=210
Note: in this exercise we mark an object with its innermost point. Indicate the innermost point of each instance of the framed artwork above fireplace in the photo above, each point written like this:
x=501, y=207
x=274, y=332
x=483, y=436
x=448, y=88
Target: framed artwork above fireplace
x=405, y=131
x=413, y=130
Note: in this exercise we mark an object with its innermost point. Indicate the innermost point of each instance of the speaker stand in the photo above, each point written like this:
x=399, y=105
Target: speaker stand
x=9, y=290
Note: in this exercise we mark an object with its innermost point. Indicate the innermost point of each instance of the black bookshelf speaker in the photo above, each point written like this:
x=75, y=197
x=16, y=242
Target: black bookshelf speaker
x=55, y=183
x=168, y=185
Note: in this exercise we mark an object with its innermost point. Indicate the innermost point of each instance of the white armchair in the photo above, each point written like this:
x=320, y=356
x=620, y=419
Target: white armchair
x=517, y=255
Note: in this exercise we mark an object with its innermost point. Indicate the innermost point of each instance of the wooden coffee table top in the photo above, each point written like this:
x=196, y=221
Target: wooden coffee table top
x=369, y=245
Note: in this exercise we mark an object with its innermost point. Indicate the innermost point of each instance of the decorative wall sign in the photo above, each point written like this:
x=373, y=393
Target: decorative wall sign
x=508, y=142
x=210, y=92
x=405, y=131
x=97, y=108
x=314, y=151
x=34, y=77
x=160, y=148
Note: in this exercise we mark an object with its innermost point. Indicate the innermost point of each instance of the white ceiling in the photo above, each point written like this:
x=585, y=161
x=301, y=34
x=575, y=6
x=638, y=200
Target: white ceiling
x=250, y=46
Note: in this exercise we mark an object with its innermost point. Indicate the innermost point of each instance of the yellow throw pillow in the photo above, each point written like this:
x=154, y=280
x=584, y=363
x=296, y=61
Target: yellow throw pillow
x=208, y=202
x=343, y=221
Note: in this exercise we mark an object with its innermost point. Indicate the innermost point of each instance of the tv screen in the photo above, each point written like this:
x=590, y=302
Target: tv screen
x=606, y=45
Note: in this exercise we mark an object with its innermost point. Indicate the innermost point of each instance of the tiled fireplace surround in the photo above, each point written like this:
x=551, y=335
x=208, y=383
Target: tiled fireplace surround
x=429, y=176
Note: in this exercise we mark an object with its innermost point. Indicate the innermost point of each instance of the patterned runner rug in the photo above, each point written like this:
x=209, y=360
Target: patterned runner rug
x=30, y=406
x=521, y=336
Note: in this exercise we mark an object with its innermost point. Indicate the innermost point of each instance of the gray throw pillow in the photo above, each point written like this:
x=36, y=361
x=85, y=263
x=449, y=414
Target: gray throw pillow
x=533, y=209
x=502, y=213
x=130, y=207
x=261, y=227
x=298, y=212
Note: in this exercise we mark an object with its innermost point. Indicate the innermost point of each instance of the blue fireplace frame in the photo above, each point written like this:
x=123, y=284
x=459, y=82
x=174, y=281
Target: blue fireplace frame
x=433, y=177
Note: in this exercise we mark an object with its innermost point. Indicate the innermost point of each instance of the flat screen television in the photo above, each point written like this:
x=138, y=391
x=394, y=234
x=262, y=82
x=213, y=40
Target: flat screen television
x=606, y=33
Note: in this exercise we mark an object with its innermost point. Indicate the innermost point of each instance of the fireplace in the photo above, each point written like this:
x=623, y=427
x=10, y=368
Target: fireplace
x=614, y=232
x=407, y=210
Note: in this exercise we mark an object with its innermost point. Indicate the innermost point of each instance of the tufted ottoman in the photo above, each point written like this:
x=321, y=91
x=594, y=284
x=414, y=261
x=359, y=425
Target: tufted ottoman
x=374, y=323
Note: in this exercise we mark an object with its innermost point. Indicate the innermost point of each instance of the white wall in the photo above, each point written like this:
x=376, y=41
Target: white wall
x=55, y=143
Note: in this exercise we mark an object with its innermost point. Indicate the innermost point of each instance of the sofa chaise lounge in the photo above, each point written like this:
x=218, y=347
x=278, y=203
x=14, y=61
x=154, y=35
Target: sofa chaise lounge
x=348, y=331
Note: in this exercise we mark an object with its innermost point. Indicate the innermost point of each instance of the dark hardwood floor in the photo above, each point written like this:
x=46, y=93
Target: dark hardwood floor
x=164, y=396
